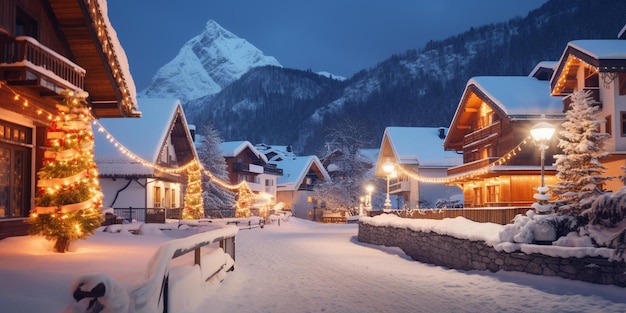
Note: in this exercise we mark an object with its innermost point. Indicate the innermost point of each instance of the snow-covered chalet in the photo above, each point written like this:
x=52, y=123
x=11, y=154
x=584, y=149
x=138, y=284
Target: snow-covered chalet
x=246, y=163
x=491, y=128
x=137, y=161
x=47, y=47
x=599, y=66
x=419, y=161
x=295, y=188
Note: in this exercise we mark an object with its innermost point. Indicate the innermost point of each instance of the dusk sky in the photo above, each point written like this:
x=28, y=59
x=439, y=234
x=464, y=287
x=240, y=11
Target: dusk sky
x=338, y=36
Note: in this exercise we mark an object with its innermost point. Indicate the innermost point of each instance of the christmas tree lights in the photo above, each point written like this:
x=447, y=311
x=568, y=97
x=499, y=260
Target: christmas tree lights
x=245, y=197
x=194, y=205
x=69, y=198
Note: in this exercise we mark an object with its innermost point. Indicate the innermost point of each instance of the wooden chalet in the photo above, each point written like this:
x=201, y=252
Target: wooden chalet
x=47, y=47
x=137, y=173
x=491, y=128
x=245, y=163
x=599, y=66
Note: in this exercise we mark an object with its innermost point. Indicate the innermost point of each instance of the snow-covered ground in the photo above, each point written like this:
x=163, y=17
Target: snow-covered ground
x=299, y=266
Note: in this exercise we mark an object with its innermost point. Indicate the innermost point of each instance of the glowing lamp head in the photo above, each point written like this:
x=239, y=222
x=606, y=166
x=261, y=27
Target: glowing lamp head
x=542, y=131
x=369, y=188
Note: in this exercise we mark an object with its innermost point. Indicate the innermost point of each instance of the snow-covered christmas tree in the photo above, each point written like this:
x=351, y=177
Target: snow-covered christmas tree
x=215, y=196
x=579, y=170
x=69, y=198
x=194, y=208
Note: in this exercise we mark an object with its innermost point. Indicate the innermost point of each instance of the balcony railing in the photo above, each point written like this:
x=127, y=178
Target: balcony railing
x=244, y=167
x=25, y=61
x=467, y=167
x=481, y=134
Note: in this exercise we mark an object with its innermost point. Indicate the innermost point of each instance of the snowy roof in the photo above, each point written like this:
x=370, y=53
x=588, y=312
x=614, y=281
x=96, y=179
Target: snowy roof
x=295, y=170
x=143, y=136
x=419, y=146
x=603, y=55
x=521, y=96
x=544, y=70
x=231, y=149
x=277, y=152
x=601, y=49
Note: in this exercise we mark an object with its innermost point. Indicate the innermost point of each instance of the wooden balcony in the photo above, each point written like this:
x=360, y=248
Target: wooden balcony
x=26, y=62
x=467, y=167
x=479, y=136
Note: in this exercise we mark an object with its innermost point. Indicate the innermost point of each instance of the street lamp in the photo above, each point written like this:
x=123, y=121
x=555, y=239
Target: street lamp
x=543, y=231
x=368, y=202
x=541, y=133
x=388, y=168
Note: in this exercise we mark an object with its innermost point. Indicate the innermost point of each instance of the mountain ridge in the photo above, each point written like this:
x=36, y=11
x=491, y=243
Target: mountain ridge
x=205, y=64
x=418, y=87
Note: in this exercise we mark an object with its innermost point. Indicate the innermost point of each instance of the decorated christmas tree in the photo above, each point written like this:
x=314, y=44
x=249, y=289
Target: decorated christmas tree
x=69, y=198
x=244, y=201
x=194, y=207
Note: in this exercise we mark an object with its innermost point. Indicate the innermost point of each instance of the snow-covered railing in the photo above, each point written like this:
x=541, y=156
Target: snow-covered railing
x=25, y=51
x=152, y=295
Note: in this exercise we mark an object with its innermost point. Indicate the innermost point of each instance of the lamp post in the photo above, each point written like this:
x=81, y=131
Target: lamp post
x=541, y=133
x=368, y=201
x=544, y=232
x=388, y=168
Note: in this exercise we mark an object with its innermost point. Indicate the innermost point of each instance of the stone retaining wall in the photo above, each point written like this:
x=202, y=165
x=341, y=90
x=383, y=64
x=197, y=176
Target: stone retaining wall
x=464, y=254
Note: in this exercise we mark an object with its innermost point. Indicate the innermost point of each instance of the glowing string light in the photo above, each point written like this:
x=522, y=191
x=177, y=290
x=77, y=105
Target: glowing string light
x=471, y=174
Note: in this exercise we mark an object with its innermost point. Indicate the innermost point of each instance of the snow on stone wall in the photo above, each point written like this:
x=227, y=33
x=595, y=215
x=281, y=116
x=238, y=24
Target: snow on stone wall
x=465, y=254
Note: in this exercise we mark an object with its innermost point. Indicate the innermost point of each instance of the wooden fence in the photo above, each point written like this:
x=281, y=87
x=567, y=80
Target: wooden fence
x=500, y=216
x=149, y=215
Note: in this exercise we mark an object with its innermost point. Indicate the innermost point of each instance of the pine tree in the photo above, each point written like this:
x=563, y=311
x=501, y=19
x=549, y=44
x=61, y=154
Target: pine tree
x=69, y=198
x=215, y=196
x=194, y=207
x=579, y=170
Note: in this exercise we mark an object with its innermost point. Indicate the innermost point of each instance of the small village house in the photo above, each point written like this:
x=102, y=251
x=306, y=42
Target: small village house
x=419, y=160
x=295, y=188
x=47, y=47
x=139, y=159
x=599, y=66
x=246, y=163
x=491, y=128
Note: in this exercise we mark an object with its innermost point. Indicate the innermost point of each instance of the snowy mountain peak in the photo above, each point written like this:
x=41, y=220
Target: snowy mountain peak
x=206, y=64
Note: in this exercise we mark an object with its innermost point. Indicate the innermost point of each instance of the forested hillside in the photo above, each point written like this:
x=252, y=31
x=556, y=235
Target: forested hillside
x=418, y=87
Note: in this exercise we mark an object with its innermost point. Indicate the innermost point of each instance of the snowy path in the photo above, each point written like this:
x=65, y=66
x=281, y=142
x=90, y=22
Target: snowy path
x=305, y=267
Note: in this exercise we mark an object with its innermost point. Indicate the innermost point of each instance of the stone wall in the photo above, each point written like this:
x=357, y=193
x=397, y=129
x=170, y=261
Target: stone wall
x=464, y=254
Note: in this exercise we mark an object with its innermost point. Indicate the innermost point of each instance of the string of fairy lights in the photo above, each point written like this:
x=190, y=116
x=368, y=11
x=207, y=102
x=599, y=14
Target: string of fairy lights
x=176, y=170
x=471, y=174
x=243, y=184
x=40, y=111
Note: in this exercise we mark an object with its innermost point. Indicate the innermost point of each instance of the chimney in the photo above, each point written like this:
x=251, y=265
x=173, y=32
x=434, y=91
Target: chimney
x=442, y=133
x=192, y=132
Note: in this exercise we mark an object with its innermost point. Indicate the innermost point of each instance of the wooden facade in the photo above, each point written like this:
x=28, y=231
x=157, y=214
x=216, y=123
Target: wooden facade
x=491, y=128
x=47, y=47
x=245, y=163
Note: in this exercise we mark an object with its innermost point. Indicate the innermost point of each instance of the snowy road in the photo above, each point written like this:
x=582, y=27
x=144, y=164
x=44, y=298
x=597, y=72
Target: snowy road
x=305, y=267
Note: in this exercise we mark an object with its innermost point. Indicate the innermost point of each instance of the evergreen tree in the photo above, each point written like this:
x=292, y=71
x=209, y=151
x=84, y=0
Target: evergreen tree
x=194, y=208
x=69, y=198
x=579, y=170
x=215, y=197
